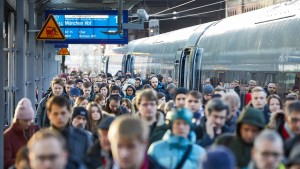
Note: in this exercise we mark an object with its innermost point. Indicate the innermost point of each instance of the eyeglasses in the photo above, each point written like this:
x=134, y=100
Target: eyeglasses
x=270, y=154
x=51, y=157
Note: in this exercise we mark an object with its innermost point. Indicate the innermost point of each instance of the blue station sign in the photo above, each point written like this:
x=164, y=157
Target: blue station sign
x=90, y=27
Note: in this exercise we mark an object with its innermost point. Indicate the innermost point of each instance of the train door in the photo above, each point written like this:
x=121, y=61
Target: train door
x=128, y=64
x=106, y=64
x=124, y=64
x=196, y=70
x=177, y=66
x=184, y=68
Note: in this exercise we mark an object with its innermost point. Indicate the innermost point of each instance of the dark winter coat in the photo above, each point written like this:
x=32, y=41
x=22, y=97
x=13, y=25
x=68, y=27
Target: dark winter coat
x=42, y=118
x=205, y=140
x=240, y=148
x=157, y=129
x=78, y=144
x=14, y=139
x=95, y=158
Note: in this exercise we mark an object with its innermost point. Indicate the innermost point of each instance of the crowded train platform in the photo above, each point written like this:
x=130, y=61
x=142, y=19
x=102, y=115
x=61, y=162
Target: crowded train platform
x=149, y=84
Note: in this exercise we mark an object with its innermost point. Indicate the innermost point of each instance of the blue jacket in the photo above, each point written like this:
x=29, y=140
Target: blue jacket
x=170, y=150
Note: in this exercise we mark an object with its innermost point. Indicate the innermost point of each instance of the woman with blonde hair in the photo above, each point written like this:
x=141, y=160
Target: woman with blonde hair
x=81, y=102
x=95, y=115
x=100, y=99
x=128, y=105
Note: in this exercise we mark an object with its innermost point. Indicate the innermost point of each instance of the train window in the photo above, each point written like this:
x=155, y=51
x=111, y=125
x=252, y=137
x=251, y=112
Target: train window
x=269, y=77
x=292, y=81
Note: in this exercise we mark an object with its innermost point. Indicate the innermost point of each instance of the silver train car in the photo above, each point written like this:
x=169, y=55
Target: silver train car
x=262, y=45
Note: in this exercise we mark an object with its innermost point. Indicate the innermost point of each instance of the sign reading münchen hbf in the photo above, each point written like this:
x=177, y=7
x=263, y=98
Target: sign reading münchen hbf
x=90, y=27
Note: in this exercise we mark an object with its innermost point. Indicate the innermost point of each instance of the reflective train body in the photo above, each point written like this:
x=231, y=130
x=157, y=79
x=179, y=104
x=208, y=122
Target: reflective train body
x=262, y=45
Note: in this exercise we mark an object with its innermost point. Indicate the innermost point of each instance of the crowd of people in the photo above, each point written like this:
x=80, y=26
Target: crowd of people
x=100, y=121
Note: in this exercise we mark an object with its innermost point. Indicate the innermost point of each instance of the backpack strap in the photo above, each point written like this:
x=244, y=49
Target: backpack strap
x=184, y=157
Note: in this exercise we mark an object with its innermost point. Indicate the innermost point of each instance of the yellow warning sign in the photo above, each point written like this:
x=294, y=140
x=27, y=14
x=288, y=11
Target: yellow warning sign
x=50, y=30
x=64, y=51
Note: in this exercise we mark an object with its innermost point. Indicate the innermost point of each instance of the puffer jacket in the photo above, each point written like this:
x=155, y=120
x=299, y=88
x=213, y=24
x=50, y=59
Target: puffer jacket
x=169, y=151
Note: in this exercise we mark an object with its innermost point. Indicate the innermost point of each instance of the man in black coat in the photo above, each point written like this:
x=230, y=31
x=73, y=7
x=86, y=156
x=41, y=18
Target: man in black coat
x=77, y=141
x=57, y=86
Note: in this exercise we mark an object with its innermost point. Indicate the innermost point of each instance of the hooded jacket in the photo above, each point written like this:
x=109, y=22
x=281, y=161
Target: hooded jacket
x=239, y=147
x=133, y=94
x=170, y=150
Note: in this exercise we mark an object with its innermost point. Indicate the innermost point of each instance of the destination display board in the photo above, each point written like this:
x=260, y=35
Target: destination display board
x=90, y=27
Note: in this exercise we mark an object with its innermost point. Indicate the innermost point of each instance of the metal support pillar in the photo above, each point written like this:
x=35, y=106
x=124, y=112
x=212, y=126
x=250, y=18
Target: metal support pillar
x=2, y=102
x=20, y=54
x=30, y=67
x=63, y=66
x=39, y=66
x=11, y=68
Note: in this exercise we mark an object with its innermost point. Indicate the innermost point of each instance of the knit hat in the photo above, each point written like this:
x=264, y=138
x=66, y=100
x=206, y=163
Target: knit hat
x=160, y=95
x=219, y=157
x=93, y=75
x=131, y=81
x=253, y=117
x=208, y=89
x=78, y=80
x=180, y=90
x=79, y=111
x=106, y=122
x=24, y=110
x=74, y=92
x=64, y=76
x=171, y=86
x=183, y=114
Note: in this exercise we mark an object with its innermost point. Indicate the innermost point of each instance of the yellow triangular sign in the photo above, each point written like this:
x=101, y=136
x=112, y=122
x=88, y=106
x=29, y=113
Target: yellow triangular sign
x=64, y=51
x=50, y=30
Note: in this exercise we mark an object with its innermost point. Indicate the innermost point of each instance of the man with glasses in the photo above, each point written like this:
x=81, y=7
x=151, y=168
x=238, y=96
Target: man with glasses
x=47, y=150
x=267, y=152
x=292, y=124
x=146, y=101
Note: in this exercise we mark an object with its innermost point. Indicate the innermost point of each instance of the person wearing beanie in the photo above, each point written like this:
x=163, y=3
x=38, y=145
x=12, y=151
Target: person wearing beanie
x=219, y=157
x=171, y=89
x=79, y=117
x=78, y=83
x=178, y=140
x=130, y=92
x=179, y=97
x=64, y=78
x=207, y=93
x=19, y=133
x=74, y=93
x=250, y=123
x=101, y=148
